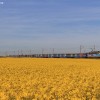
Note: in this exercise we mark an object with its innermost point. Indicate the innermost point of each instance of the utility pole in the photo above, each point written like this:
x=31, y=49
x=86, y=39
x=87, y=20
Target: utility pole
x=94, y=47
x=80, y=49
x=30, y=53
x=53, y=50
x=18, y=53
x=42, y=51
x=14, y=54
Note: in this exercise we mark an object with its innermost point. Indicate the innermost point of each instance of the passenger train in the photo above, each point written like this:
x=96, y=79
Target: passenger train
x=92, y=54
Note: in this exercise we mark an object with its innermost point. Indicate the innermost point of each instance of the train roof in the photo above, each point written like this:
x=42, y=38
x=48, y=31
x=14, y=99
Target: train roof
x=94, y=52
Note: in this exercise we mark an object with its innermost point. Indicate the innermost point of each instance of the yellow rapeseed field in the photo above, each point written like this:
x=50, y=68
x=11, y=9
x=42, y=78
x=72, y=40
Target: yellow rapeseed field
x=49, y=79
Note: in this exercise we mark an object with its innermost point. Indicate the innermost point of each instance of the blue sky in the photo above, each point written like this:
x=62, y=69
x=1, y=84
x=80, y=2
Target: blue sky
x=28, y=24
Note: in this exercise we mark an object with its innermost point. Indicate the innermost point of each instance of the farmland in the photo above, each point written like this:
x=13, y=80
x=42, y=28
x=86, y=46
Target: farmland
x=49, y=79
